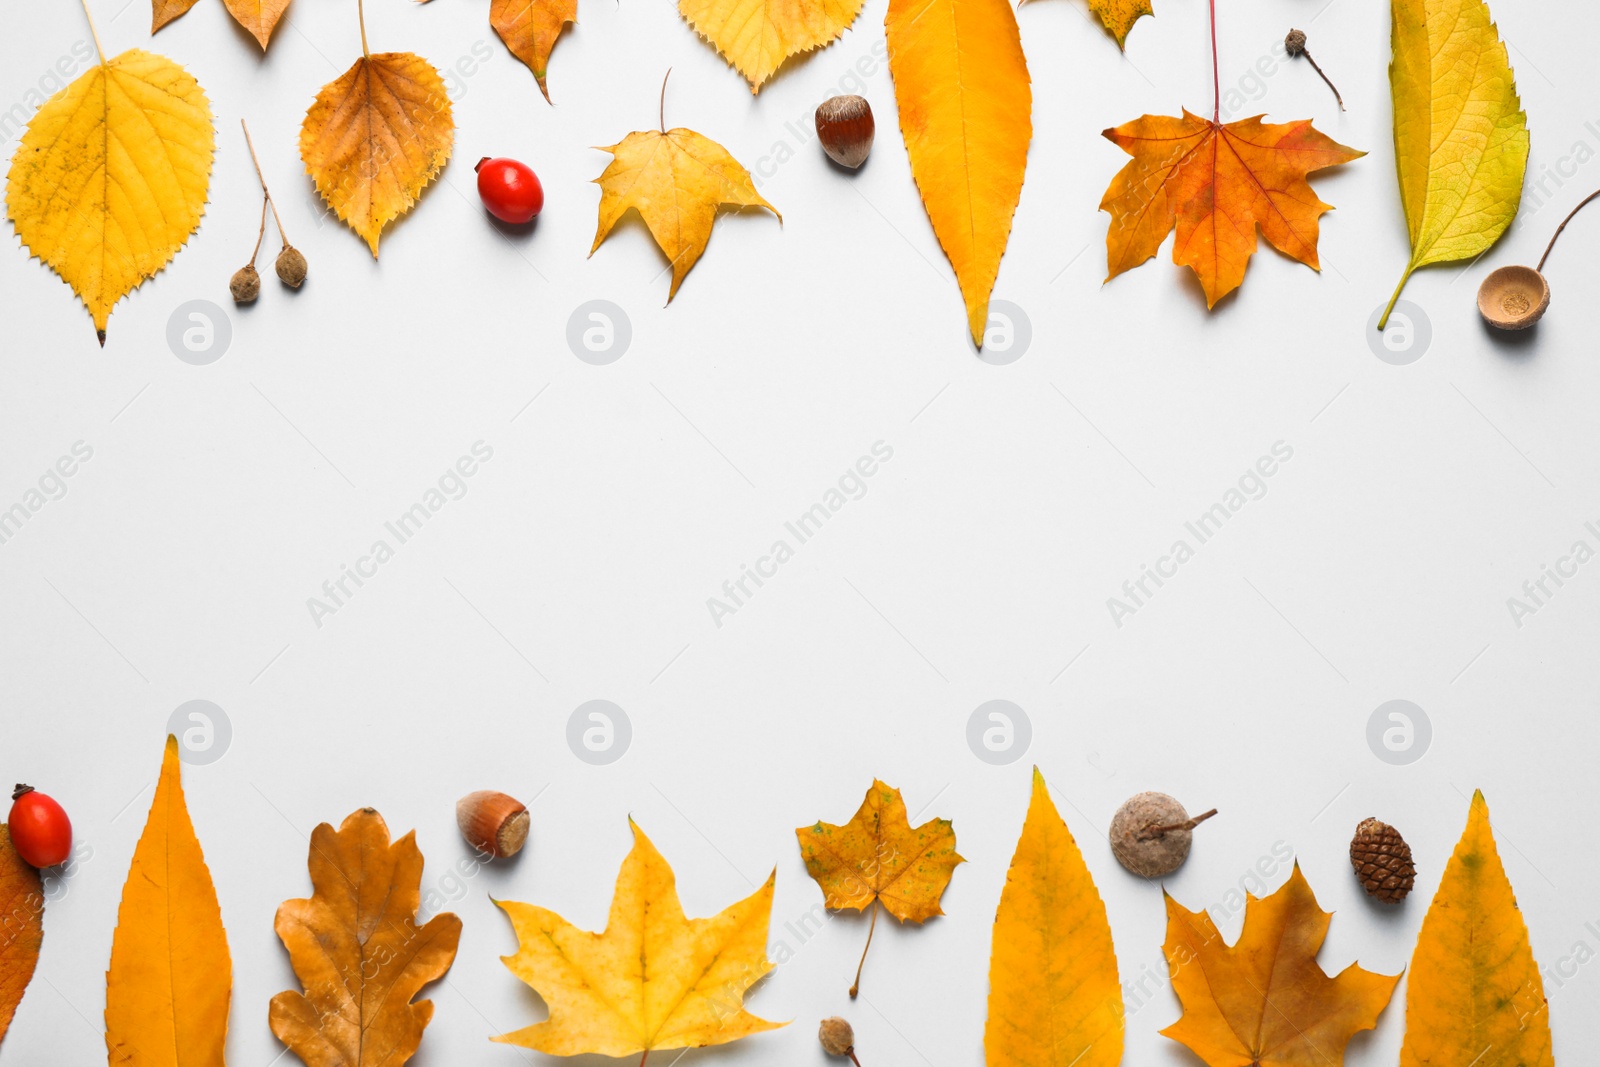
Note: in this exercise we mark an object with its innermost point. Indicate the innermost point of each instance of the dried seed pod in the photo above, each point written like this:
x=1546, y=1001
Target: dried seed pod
x=1151, y=834
x=245, y=285
x=845, y=127
x=837, y=1038
x=1382, y=861
x=291, y=266
x=493, y=823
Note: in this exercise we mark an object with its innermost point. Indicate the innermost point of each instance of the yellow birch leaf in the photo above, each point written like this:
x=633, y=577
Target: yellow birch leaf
x=358, y=951
x=111, y=176
x=170, y=978
x=1475, y=995
x=653, y=979
x=1460, y=134
x=376, y=136
x=530, y=28
x=676, y=180
x=1054, y=999
x=961, y=83
x=21, y=927
x=758, y=36
x=879, y=857
x=1264, y=1001
x=260, y=17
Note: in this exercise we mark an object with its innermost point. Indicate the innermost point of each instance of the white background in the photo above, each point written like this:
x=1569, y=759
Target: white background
x=978, y=564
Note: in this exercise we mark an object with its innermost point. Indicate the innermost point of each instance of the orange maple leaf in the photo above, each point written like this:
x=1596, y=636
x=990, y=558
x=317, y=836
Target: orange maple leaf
x=1217, y=183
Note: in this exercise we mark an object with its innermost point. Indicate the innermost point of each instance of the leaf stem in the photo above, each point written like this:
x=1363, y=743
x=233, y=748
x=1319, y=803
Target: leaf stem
x=871, y=927
x=1384, y=321
x=1216, y=74
x=264, y=191
x=661, y=116
x=361, y=17
x=94, y=33
x=1314, y=66
x=1552, y=244
x=261, y=231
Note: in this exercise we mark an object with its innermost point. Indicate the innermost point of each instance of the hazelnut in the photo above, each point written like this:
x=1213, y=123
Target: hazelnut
x=493, y=823
x=845, y=128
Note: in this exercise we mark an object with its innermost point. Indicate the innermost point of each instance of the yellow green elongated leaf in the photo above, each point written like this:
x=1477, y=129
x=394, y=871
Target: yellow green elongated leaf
x=111, y=176
x=1054, y=999
x=966, y=114
x=1460, y=135
x=1475, y=995
x=170, y=979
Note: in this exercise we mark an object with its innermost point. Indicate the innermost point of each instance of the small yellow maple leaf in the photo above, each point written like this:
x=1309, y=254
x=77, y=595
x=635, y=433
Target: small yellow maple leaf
x=654, y=979
x=170, y=978
x=1264, y=1000
x=1475, y=994
x=757, y=36
x=676, y=179
x=1054, y=999
x=878, y=857
x=358, y=951
x=111, y=176
x=376, y=136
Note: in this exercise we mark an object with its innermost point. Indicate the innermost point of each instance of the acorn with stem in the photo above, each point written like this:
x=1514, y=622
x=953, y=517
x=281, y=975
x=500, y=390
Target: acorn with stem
x=1516, y=297
x=290, y=264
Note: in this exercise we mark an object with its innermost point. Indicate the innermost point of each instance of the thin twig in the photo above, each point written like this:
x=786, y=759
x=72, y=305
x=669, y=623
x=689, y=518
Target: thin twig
x=263, y=180
x=1339, y=99
x=1563, y=226
x=261, y=232
x=1188, y=824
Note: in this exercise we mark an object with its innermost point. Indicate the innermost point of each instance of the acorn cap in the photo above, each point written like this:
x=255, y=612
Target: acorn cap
x=1151, y=834
x=1513, y=298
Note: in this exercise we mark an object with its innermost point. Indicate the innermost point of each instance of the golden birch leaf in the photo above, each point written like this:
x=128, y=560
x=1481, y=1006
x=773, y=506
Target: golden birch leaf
x=653, y=979
x=164, y=11
x=961, y=82
x=878, y=857
x=530, y=28
x=260, y=17
x=676, y=180
x=757, y=36
x=111, y=176
x=1265, y=1000
x=1460, y=134
x=170, y=978
x=1475, y=995
x=1054, y=999
x=21, y=929
x=358, y=951
x=375, y=137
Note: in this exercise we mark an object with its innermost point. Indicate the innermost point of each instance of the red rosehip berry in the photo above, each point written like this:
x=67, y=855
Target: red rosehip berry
x=39, y=828
x=509, y=189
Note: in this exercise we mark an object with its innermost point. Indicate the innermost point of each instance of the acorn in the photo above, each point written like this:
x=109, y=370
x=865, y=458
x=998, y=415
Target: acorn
x=845, y=128
x=291, y=266
x=245, y=285
x=493, y=823
x=1151, y=834
x=1382, y=862
x=837, y=1038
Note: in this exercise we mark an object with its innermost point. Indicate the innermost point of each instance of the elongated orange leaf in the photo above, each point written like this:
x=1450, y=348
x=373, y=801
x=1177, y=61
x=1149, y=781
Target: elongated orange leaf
x=170, y=979
x=966, y=107
x=1217, y=184
x=1264, y=1000
x=1475, y=994
x=375, y=137
x=21, y=927
x=358, y=951
x=1054, y=999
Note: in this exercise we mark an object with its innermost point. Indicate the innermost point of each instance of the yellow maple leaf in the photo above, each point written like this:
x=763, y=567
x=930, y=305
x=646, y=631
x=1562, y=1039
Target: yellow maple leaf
x=653, y=979
x=1475, y=995
x=358, y=951
x=376, y=136
x=1054, y=999
x=1460, y=134
x=170, y=979
x=1264, y=1001
x=111, y=176
x=966, y=103
x=878, y=857
x=757, y=36
x=21, y=930
x=676, y=179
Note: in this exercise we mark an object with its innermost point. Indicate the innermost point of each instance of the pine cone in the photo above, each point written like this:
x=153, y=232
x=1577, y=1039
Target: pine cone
x=1382, y=860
